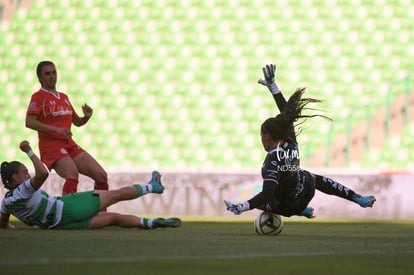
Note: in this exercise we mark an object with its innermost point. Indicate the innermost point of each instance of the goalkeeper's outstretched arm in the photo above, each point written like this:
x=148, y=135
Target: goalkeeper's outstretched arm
x=269, y=82
x=280, y=101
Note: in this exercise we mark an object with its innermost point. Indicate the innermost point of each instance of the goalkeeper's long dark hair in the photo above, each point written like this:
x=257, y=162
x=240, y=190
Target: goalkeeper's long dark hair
x=282, y=126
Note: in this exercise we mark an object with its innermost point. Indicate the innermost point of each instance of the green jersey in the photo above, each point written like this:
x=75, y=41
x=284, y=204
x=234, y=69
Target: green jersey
x=33, y=207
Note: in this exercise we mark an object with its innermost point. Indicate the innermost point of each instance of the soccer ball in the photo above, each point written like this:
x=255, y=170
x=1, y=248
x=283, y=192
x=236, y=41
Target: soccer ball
x=268, y=224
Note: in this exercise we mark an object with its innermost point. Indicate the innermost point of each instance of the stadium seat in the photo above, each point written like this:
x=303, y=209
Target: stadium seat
x=186, y=71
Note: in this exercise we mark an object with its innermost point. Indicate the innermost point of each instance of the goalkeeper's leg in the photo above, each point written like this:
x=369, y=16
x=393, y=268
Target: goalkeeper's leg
x=331, y=187
x=288, y=206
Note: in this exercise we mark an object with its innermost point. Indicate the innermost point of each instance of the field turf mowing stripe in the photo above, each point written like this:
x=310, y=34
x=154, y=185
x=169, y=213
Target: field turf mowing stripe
x=308, y=247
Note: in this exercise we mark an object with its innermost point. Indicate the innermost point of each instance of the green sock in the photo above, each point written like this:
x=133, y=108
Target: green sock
x=143, y=189
x=146, y=223
x=139, y=190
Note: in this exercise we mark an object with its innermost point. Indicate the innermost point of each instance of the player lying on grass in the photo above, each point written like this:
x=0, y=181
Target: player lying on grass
x=288, y=189
x=36, y=208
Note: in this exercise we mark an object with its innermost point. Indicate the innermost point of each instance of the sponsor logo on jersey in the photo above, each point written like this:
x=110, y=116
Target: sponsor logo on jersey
x=55, y=111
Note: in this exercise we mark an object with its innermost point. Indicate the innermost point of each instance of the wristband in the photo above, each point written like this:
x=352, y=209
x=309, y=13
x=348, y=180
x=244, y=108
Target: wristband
x=30, y=153
x=274, y=89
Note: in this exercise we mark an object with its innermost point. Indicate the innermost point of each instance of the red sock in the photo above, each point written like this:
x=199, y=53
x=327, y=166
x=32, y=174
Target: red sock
x=101, y=185
x=70, y=186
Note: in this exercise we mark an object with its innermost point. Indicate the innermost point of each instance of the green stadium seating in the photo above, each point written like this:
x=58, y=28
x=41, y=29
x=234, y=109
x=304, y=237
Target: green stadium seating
x=173, y=83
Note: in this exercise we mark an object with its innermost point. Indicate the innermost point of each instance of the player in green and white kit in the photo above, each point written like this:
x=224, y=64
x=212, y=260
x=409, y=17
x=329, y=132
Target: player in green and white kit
x=83, y=210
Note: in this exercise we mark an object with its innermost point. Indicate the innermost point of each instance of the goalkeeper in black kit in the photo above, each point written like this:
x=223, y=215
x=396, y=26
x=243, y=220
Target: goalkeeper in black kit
x=288, y=189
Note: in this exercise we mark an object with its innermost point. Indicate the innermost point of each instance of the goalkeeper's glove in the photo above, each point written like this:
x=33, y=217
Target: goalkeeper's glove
x=237, y=208
x=269, y=81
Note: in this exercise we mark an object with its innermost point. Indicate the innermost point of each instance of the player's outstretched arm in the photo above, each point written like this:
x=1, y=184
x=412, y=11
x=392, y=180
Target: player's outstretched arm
x=237, y=208
x=41, y=172
x=269, y=82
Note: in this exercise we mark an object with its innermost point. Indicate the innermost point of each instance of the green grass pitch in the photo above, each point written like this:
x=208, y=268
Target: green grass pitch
x=214, y=247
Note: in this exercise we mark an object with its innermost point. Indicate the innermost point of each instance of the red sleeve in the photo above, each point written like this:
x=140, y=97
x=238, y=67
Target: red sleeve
x=35, y=105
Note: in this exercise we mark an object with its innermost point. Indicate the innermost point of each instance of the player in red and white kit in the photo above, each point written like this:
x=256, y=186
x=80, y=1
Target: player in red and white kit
x=51, y=114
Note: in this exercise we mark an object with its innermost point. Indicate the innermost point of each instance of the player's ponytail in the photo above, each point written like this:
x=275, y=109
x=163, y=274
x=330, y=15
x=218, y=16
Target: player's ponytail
x=281, y=126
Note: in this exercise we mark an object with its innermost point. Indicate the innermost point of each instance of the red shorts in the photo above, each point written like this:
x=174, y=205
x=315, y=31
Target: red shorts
x=52, y=151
